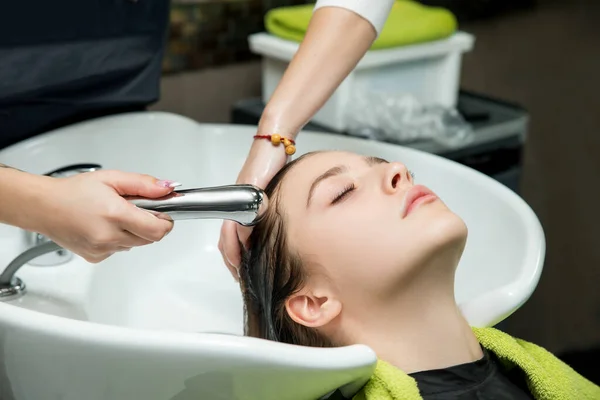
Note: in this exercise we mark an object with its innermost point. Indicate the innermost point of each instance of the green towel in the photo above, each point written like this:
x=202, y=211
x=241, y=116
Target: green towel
x=409, y=22
x=547, y=377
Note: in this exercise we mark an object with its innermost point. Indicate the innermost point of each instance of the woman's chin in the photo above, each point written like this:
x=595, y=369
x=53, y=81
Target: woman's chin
x=447, y=229
x=437, y=235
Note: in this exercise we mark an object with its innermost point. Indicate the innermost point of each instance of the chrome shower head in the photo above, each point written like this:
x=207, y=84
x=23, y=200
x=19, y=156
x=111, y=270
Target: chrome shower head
x=244, y=204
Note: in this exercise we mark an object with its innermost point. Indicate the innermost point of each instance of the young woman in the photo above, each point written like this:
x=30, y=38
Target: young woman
x=352, y=251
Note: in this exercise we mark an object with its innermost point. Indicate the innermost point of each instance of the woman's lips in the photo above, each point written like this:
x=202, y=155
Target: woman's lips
x=415, y=197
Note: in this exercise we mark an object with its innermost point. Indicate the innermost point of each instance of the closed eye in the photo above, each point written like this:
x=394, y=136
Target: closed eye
x=343, y=193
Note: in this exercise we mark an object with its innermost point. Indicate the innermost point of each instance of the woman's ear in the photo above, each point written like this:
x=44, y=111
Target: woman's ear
x=312, y=309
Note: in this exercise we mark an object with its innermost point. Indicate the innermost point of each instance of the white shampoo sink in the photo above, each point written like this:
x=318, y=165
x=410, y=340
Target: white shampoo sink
x=164, y=322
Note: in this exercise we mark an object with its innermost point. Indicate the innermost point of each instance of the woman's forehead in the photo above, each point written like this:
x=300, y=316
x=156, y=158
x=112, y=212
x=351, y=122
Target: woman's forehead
x=299, y=178
x=318, y=162
x=310, y=170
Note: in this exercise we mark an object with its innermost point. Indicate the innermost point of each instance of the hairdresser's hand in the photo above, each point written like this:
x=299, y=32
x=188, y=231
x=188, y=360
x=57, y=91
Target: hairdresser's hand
x=86, y=214
x=263, y=162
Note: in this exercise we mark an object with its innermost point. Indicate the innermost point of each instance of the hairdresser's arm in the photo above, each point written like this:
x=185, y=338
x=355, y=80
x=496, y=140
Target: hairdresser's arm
x=338, y=36
x=85, y=213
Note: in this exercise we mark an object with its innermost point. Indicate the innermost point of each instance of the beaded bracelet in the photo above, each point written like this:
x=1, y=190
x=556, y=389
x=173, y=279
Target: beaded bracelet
x=289, y=144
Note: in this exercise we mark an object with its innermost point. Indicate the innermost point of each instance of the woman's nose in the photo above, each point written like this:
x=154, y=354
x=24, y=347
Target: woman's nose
x=396, y=175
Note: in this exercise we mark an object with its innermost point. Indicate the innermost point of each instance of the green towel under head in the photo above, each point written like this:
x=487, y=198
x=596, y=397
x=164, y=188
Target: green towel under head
x=409, y=22
x=547, y=377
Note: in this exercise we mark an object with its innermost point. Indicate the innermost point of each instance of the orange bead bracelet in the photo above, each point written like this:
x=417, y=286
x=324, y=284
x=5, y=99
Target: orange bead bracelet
x=289, y=144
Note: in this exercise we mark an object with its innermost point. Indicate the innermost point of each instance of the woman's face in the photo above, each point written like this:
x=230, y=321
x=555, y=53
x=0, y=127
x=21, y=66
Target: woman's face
x=364, y=222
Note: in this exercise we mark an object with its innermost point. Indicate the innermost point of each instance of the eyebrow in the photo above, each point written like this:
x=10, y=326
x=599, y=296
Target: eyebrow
x=337, y=170
x=375, y=160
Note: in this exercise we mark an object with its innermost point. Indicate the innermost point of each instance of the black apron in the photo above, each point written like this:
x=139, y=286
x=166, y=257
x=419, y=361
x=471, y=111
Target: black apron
x=65, y=61
x=484, y=379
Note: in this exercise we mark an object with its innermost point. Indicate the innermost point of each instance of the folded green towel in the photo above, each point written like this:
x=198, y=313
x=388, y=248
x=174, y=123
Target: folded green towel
x=409, y=22
x=547, y=377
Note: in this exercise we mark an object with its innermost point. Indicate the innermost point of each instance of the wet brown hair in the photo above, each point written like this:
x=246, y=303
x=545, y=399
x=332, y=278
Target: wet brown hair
x=271, y=272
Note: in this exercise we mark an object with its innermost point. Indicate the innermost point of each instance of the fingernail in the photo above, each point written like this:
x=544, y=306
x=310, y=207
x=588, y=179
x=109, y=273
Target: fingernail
x=168, y=184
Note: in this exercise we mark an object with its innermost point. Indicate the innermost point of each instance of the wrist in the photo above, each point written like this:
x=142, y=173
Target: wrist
x=40, y=200
x=264, y=160
x=275, y=120
x=23, y=196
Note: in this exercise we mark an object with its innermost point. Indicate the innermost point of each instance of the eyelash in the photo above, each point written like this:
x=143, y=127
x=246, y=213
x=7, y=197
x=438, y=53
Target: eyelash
x=343, y=193
x=351, y=187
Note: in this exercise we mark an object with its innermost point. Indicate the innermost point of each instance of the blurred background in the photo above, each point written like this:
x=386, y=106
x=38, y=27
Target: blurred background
x=533, y=74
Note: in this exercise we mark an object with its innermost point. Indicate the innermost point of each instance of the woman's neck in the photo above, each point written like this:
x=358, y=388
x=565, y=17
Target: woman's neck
x=425, y=338
x=422, y=328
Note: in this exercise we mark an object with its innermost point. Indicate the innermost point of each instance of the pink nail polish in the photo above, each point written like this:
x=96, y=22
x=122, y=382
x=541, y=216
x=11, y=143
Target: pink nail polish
x=168, y=184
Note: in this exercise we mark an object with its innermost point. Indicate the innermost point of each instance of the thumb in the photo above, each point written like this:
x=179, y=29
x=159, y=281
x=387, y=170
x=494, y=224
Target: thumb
x=132, y=184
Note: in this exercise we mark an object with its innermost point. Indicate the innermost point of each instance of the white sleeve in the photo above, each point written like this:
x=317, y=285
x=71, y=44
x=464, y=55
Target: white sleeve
x=374, y=11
